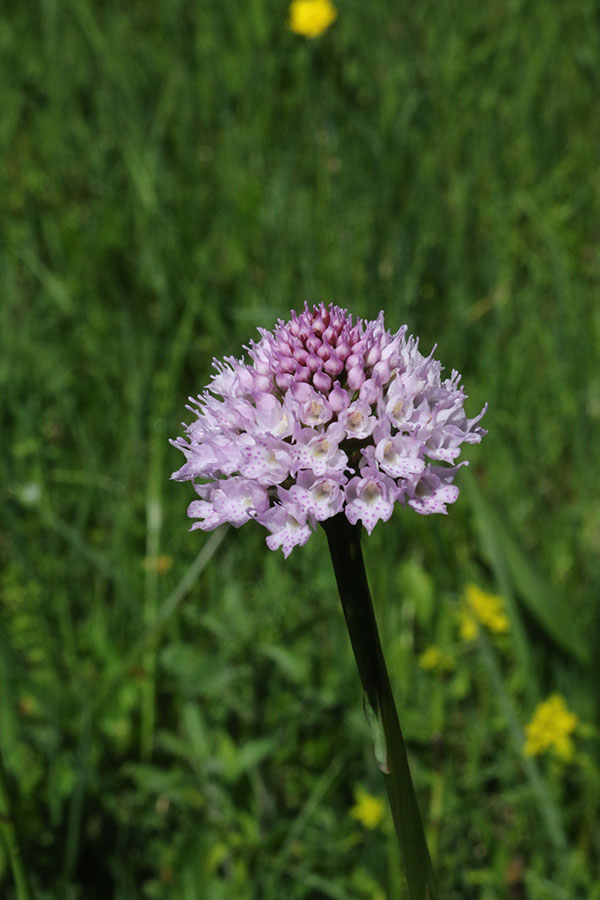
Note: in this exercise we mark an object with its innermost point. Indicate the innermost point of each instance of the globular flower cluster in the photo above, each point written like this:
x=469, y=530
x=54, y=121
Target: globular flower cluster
x=329, y=415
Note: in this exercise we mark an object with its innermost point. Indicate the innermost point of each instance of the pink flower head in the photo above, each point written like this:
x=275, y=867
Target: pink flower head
x=328, y=415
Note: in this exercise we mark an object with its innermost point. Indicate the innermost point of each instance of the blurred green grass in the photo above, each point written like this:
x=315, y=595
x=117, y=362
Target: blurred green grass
x=175, y=175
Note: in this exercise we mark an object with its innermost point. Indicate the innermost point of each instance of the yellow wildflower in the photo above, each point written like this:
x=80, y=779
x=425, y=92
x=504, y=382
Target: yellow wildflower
x=311, y=18
x=482, y=608
x=550, y=727
x=435, y=660
x=368, y=810
x=468, y=626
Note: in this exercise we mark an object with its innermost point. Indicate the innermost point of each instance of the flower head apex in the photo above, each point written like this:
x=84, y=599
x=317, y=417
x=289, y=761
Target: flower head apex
x=327, y=415
x=311, y=18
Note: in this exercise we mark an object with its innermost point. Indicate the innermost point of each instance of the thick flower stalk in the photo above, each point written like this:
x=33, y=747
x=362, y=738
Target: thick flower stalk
x=328, y=416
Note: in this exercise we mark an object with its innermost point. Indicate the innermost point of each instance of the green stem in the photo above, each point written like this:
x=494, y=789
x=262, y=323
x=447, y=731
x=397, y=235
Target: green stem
x=11, y=838
x=153, y=529
x=346, y=555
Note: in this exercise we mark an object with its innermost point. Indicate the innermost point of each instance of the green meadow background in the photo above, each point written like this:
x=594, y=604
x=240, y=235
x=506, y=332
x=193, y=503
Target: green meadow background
x=180, y=715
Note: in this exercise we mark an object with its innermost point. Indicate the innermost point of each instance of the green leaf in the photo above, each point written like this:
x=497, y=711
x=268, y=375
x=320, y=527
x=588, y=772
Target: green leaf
x=378, y=734
x=291, y=664
x=239, y=760
x=551, y=611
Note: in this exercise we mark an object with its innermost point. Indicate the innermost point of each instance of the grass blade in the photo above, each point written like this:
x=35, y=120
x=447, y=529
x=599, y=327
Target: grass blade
x=538, y=595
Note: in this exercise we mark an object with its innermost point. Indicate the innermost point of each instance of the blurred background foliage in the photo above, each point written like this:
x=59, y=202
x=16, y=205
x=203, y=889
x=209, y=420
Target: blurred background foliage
x=179, y=713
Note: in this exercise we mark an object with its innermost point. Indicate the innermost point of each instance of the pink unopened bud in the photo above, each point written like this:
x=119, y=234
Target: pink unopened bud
x=381, y=372
x=302, y=374
x=283, y=381
x=342, y=351
x=321, y=381
x=300, y=355
x=356, y=378
x=336, y=322
x=372, y=355
x=334, y=365
x=314, y=363
x=369, y=391
x=287, y=364
x=354, y=360
x=338, y=398
x=302, y=392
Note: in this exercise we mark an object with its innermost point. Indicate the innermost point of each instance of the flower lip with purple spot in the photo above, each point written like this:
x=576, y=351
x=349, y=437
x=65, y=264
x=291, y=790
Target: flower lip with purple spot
x=329, y=415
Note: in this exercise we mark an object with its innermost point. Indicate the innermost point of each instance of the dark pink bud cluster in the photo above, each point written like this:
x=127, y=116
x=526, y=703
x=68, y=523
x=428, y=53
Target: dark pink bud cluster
x=322, y=347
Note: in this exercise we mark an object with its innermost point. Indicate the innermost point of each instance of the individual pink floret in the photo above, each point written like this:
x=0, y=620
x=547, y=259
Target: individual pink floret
x=288, y=526
x=370, y=497
x=319, y=450
x=319, y=497
x=234, y=500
